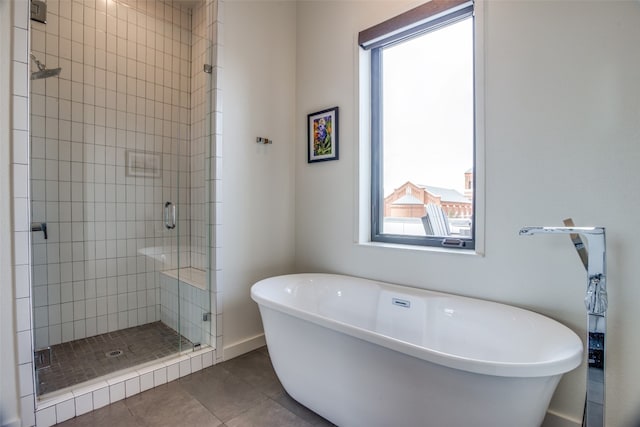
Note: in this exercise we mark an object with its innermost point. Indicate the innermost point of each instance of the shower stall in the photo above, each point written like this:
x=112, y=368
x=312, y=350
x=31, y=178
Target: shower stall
x=121, y=184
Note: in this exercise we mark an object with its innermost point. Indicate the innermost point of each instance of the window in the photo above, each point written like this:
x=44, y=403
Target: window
x=423, y=126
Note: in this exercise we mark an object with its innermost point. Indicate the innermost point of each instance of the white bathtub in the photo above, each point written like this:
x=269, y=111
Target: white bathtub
x=365, y=353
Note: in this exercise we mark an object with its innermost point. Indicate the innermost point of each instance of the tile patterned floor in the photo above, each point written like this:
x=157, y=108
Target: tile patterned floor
x=242, y=392
x=85, y=359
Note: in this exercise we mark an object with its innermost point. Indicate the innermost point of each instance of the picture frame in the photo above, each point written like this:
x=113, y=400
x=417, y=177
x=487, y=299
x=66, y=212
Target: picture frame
x=322, y=134
x=143, y=164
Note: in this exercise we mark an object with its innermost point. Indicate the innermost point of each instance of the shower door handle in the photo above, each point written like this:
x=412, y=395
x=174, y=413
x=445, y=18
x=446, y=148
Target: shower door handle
x=169, y=216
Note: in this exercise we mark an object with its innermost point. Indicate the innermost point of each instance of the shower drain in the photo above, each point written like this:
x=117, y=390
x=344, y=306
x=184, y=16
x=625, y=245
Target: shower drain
x=113, y=353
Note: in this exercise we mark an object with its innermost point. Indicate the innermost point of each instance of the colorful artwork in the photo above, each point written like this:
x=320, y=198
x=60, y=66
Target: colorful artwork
x=323, y=137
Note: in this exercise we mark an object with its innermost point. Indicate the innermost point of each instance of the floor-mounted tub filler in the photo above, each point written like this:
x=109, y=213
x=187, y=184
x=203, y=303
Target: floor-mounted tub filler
x=596, y=301
x=366, y=353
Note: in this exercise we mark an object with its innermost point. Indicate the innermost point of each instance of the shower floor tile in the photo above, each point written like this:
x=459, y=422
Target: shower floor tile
x=85, y=359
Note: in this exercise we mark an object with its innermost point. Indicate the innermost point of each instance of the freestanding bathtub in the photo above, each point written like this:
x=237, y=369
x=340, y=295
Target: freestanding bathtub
x=365, y=353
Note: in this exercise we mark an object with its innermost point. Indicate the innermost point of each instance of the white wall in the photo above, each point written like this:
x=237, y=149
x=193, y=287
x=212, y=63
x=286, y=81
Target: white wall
x=258, y=189
x=562, y=130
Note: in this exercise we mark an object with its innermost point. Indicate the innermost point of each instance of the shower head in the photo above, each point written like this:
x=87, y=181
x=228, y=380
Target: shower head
x=43, y=72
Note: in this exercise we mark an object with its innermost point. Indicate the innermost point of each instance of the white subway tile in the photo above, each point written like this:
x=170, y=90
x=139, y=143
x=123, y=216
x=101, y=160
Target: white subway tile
x=46, y=417
x=173, y=371
x=41, y=314
x=20, y=181
x=65, y=410
x=23, y=288
x=185, y=366
x=21, y=247
x=116, y=392
x=55, y=334
x=160, y=376
x=21, y=214
x=27, y=410
x=102, y=324
x=67, y=331
x=196, y=363
x=25, y=353
x=146, y=381
x=20, y=79
x=101, y=397
x=91, y=326
x=40, y=277
x=25, y=374
x=21, y=14
x=20, y=52
x=84, y=403
x=53, y=20
x=41, y=337
x=132, y=386
x=23, y=314
x=79, y=329
x=54, y=314
x=21, y=147
x=20, y=113
x=207, y=359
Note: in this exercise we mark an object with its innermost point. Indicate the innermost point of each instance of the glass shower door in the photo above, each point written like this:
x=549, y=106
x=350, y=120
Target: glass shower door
x=185, y=293
x=196, y=317
x=110, y=146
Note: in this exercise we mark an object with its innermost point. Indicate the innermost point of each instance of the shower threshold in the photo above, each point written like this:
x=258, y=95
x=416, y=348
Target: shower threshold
x=86, y=359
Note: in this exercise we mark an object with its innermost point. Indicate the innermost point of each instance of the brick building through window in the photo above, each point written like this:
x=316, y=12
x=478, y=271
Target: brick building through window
x=409, y=200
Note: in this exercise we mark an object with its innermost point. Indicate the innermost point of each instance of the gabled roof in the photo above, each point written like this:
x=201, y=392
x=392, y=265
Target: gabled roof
x=408, y=199
x=446, y=194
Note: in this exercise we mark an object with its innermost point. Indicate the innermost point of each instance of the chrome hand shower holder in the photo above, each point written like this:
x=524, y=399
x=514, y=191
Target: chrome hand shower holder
x=596, y=304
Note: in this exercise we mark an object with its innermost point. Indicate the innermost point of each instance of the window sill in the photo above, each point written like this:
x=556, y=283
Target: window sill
x=416, y=248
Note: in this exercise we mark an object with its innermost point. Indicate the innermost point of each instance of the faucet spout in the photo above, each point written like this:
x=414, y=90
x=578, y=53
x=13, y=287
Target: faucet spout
x=528, y=231
x=595, y=239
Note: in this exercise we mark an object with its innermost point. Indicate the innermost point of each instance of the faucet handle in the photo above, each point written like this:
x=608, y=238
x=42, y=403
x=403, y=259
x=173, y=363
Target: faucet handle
x=596, y=299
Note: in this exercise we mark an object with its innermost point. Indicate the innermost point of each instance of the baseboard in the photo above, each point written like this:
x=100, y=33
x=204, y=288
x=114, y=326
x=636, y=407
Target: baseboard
x=241, y=347
x=554, y=419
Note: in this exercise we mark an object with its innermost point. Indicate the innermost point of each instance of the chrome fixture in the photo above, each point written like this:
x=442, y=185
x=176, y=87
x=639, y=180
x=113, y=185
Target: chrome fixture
x=39, y=11
x=42, y=358
x=43, y=72
x=596, y=304
x=401, y=302
x=169, y=215
x=40, y=226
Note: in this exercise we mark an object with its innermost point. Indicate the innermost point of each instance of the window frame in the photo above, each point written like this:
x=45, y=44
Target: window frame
x=426, y=18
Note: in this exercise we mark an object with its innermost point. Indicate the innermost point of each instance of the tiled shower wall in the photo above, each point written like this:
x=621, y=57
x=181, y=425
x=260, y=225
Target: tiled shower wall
x=200, y=131
x=124, y=88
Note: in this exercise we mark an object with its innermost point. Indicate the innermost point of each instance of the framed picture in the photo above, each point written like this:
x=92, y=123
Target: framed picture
x=142, y=163
x=322, y=129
